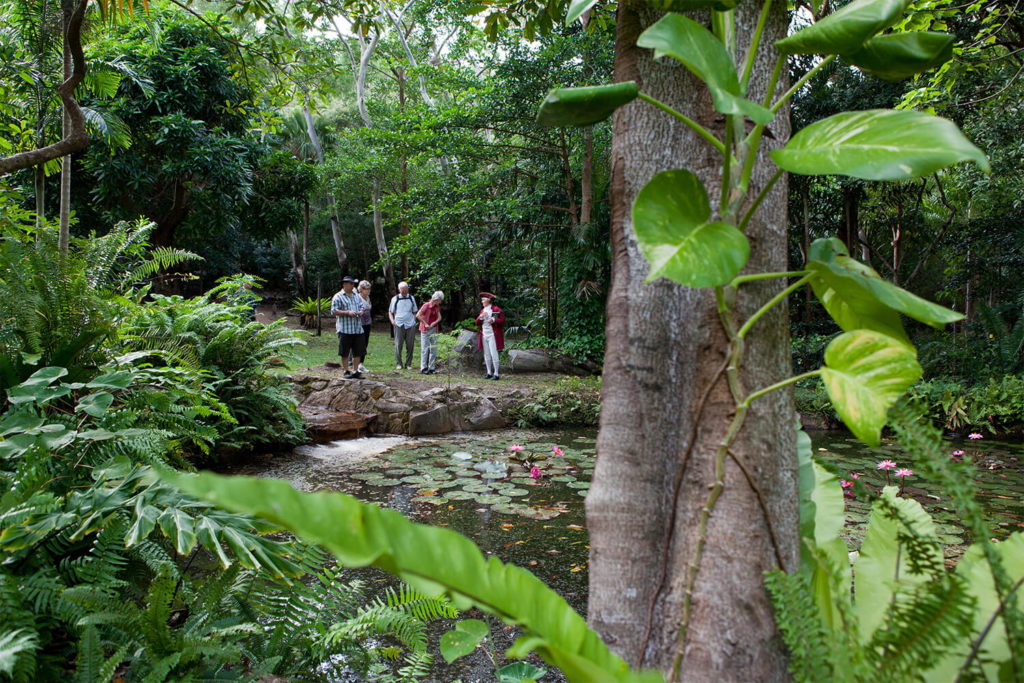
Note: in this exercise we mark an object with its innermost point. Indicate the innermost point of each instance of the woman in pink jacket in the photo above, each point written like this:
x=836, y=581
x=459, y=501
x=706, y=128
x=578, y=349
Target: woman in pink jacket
x=490, y=334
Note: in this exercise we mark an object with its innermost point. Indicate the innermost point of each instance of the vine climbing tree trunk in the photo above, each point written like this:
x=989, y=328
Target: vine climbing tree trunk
x=666, y=406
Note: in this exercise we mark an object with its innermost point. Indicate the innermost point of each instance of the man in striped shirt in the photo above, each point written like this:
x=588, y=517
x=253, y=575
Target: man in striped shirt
x=345, y=307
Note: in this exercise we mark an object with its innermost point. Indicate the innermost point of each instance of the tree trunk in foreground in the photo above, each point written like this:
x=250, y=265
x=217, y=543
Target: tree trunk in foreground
x=666, y=350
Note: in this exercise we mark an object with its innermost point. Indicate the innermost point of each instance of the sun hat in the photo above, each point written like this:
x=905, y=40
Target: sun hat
x=488, y=295
x=349, y=278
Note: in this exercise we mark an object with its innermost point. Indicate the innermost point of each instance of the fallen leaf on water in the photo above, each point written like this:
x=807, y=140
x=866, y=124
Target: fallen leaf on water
x=574, y=526
x=532, y=563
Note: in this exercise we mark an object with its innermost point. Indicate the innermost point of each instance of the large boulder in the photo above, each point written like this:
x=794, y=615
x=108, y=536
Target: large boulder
x=531, y=360
x=434, y=420
x=323, y=425
x=465, y=353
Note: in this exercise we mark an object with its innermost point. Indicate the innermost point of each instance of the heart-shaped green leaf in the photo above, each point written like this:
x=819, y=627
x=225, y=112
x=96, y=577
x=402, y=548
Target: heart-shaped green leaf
x=878, y=144
x=95, y=404
x=584, y=106
x=697, y=48
x=865, y=373
x=669, y=218
x=845, y=30
x=691, y=5
x=852, y=293
x=576, y=9
x=519, y=672
x=463, y=639
x=897, y=56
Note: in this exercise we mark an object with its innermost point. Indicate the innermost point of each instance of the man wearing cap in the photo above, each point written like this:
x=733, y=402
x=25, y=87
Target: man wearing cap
x=490, y=335
x=402, y=312
x=346, y=307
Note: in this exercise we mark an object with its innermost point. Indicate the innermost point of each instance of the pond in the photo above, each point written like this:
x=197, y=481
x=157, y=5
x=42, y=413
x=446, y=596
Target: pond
x=474, y=484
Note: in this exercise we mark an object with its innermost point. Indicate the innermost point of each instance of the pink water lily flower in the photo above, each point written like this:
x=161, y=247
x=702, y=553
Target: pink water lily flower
x=515, y=448
x=975, y=435
x=535, y=472
x=957, y=454
x=845, y=484
x=854, y=475
x=904, y=472
x=886, y=465
x=557, y=451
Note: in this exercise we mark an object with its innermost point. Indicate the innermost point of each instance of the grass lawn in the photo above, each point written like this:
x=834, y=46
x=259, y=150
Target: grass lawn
x=380, y=361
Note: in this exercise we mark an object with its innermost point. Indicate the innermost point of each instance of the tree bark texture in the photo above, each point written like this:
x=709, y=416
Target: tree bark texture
x=666, y=404
x=332, y=204
x=78, y=139
x=67, y=128
x=378, y=233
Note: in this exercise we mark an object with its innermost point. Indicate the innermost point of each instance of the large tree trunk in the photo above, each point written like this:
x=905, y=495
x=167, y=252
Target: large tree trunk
x=666, y=406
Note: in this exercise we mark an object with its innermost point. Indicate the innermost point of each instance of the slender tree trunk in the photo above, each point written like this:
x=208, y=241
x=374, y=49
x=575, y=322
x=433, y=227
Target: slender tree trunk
x=39, y=177
x=305, y=246
x=339, y=243
x=404, y=180
x=378, y=233
x=897, y=244
x=665, y=354
x=64, y=236
x=587, y=177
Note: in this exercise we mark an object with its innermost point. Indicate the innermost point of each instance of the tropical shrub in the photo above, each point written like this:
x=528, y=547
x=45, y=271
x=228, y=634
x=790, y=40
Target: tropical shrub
x=307, y=309
x=230, y=353
x=572, y=401
x=899, y=614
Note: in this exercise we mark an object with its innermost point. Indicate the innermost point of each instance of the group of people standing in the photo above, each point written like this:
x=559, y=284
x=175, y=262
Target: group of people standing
x=352, y=310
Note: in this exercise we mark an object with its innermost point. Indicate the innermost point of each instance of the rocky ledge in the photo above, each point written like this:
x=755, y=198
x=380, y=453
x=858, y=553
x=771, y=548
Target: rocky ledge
x=351, y=406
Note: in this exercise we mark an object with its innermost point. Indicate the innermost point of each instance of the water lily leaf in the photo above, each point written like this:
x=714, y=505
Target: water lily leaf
x=878, y=144
x=702, y=53
x=897, y=56
x=584, y=106
x=669, y=220
x=845, y=30
x=865, y=373
x=576, y=9
x=463, y=639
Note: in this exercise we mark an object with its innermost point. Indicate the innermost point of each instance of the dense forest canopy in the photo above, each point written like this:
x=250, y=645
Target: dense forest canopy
x=160, y=161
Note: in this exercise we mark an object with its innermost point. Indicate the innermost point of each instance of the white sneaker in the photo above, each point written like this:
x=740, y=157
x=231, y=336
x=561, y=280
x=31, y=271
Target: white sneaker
x=362, y=368
x=398, y=367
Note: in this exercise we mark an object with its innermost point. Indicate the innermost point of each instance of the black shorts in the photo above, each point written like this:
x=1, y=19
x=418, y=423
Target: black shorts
x=356, y=343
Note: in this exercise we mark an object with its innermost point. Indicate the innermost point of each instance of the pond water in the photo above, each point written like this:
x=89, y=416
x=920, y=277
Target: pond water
x=474, y=484
x=999, y=476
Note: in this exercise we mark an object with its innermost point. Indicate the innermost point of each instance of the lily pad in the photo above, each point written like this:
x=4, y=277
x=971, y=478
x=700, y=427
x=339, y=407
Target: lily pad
x=492, y=499
x=583, y=492
x=505, y=509
x=515, y=492
x=383, y=481
x=579, y=484
x=460, y=495
x=478, y=488
x=432, y=500
x=563, y=477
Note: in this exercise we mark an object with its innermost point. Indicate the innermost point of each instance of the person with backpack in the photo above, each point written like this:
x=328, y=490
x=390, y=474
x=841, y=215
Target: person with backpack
x=402, y=313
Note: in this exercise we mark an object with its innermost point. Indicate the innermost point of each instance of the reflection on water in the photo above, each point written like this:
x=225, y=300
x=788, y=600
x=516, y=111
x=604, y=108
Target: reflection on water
x=491, y=497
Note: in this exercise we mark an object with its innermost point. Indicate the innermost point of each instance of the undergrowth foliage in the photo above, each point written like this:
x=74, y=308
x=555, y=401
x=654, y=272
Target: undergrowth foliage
x=900, y=614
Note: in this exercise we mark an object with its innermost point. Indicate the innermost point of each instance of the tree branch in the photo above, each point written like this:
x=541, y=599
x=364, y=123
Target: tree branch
x=78, y=138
